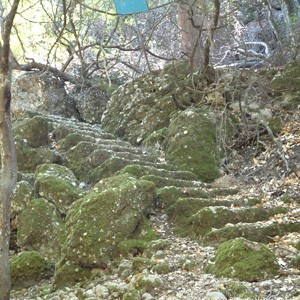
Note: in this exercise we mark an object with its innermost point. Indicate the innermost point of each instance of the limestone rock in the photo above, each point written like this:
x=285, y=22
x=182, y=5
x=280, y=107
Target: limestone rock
x=42, y=93
x=244, y=260
x=28, y=268
x=21, y=197
x=90, y=103
x=57, y=184
x=34, y=131
x=40, y=228
x=112, y=212
x=191, y=144
x=67, y=274
x=29, y=158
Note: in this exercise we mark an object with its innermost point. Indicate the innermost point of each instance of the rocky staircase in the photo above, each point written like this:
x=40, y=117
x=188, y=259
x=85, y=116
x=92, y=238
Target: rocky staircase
x=197, y=209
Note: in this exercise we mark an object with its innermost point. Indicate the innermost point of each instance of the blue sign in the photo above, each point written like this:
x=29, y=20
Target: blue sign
x=127, y=7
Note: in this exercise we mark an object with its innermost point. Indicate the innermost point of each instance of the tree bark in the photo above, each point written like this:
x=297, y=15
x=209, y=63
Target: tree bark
x=191, y=25
x=8, y=156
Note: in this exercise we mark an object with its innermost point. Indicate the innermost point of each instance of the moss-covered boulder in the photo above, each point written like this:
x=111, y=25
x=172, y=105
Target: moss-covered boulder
x=90, y=103
x=252, y=231
x=29, y=158
x=68, y=274
x=40, y=92
x=146, y=282
x=39, y=228
x=21, y=197
x=77, y=158
x=35, y=131
x=244, y=260
x=57, y=184
x=289, y=79
x=112, y=212
x=141, y=106
x=191, y=144
x=28, y=268
x=217, y=217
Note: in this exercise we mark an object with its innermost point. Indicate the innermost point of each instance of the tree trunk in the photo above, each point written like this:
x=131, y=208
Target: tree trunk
x=8, y=156
x=191, y=25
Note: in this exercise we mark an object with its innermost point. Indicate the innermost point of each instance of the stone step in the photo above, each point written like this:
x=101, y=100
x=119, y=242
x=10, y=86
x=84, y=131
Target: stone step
x=140, y=171
x=218, y=216
x=115, y=164
x=167, y=181
x=257, y=232
x=167, y=196
x=186, y=207
x=73, y=139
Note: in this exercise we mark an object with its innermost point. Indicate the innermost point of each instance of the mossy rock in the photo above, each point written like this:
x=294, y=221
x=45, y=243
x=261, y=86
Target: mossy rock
x=115, y=164
x=132, y=295
x=111, y=213
x=23, y=193
x=146, y=282
x=289, y=80
x=137, y=246
x=167, y=196
x=68, y=274
x=139, y=171
x=154, y=142
x=35, y=131
x=244, y=260
x=29, y=158
x=78, y=158
x=217, y=217
x=40, y=228
x=57, y=184
x=252, y=231
x=191, y=144
x=234, y=289
x=72, y=139
x=139, y=264
x=296, y=261
x=28, y=269
x=186, y=207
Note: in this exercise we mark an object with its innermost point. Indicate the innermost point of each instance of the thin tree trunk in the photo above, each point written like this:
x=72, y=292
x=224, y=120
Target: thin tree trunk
x=8, y=156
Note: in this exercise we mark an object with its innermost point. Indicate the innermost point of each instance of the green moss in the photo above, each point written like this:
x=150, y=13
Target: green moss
x=57, y=184
x=77, y=158
x=29, y=158
x=244, y=260
x=132, y=295
x=68, y=274
x=191, y=144
x=276, y=125
x=133, y=247
x=253, y=232
x=216, y=217
x=28, y=268
x=22, y=194
x=297, y=245
x=163, y=268
x=39, y=228
x=111, y=213
x=154, y=142
x=296, y=261
x=34, y=130
x=234, y=289
x=141, y=263
x=146, y=282
x=168, y=196
x=72, y=139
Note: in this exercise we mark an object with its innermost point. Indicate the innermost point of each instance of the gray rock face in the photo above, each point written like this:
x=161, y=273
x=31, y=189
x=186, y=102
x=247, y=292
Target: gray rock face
x=41, y=93
x=90, y=103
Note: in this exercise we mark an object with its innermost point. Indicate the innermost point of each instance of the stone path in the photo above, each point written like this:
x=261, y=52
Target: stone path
x=182, y=204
